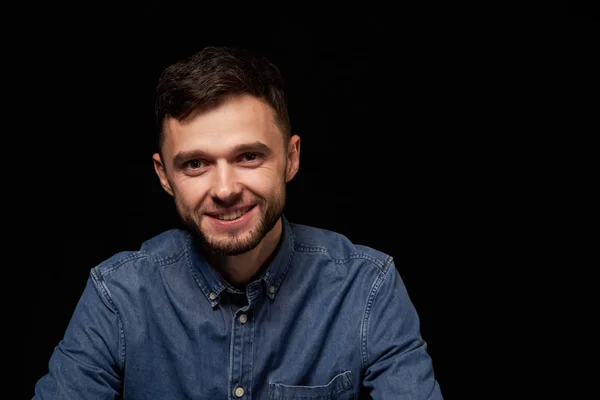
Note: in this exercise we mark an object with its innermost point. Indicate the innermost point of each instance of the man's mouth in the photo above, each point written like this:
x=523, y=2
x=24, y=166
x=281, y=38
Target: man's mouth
x=230, y=216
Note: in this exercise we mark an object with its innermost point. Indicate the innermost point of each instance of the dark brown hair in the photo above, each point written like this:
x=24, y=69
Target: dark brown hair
x=205, y=79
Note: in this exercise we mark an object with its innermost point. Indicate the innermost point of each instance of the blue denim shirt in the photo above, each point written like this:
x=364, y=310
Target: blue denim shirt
x=328, y=319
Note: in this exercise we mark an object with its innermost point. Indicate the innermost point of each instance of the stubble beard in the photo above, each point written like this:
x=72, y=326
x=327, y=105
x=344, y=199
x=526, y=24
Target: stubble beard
x=233, y=244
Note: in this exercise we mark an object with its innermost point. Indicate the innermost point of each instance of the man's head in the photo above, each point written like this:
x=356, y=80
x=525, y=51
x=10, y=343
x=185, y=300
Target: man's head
x=207, y=78
x=226, y=150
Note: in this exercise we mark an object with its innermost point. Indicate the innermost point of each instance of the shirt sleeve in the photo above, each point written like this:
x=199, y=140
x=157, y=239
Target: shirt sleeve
x=397, y=363
x=86, y=362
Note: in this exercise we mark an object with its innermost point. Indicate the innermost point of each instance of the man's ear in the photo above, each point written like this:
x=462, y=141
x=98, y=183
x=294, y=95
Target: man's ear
x=162, y=173
x=293, y=157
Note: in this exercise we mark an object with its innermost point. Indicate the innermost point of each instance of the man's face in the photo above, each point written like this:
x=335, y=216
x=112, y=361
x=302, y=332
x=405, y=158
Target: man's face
x=227, y=169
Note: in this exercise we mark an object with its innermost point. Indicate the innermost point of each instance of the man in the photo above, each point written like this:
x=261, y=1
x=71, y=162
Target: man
x=244, y=303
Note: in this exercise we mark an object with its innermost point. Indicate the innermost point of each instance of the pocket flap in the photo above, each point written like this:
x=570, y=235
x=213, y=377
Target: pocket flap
x=340, y=385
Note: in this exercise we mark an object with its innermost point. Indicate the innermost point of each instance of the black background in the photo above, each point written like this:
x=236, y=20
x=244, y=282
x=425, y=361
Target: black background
x=397, y=137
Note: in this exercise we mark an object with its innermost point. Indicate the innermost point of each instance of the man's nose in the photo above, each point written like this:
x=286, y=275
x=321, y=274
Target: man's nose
x=226, y=186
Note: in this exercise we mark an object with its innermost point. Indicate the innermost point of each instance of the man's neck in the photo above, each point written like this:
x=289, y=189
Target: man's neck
x=241, y=268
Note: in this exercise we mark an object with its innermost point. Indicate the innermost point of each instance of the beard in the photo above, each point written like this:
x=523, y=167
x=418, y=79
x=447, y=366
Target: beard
x=235, y=244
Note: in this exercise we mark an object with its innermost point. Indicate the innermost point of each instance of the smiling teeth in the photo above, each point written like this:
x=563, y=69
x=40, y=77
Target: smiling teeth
x=233, y=215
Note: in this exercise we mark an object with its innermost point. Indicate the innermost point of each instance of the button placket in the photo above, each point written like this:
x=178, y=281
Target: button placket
x=241, y=355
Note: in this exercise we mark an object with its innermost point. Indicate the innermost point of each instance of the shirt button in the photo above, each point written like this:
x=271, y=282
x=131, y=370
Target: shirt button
x=243, y=318
x=239, y=392
x=212, y=296
x=272, y=289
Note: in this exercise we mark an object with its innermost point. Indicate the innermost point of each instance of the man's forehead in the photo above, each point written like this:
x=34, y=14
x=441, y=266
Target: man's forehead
x=253, y=118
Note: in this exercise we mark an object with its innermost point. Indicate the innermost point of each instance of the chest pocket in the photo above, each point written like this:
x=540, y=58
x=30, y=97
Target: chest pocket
x=339, y=388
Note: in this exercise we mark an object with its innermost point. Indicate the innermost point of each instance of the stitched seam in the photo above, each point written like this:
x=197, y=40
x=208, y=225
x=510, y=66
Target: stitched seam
x=100, y=285
x=199, y=281
x=311, y=249
x=134, y=256
x=140, y=254
x=347, y=384
x=324, y=395
x=171, y=259
x=289, y=263
x=252, y=351
x=381, y=265
x=321, y=396
x=365, y=324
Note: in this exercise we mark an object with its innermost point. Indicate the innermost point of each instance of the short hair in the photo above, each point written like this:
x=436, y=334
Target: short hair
x=205, y=79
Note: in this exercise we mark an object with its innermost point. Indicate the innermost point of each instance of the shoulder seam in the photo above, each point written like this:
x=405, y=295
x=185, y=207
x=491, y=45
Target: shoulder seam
x=370, y=301
x=310, y=249
x=379, y=263
x=100, y=285
x=173, y=258
x=120, y=262
x=137, y=255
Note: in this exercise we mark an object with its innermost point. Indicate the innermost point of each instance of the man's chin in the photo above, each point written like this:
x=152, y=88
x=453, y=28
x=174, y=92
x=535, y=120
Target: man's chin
x=222, y=251
x=226, y=246
x=230, y=249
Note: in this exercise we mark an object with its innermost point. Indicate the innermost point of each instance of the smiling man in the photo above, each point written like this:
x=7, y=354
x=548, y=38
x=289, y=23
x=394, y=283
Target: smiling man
x=243, y=304
x=227, y=168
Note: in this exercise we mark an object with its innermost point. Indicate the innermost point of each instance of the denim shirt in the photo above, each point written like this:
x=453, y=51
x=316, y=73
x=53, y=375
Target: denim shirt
x=327, y=319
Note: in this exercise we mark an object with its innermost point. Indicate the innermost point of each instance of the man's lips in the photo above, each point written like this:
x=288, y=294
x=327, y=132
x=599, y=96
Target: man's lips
x=231, y=220
x=229, y=210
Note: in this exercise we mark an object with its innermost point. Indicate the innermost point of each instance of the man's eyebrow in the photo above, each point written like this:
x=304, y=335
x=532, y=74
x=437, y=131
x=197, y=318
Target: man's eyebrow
x=257, y=146
x=188, y=155
x=254, y=146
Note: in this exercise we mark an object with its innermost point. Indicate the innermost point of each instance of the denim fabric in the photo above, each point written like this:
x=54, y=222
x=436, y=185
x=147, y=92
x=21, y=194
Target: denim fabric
x=328, y=319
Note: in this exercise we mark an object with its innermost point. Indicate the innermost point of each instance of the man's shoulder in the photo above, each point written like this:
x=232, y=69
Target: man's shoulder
x=164, y=248
x=336, y=245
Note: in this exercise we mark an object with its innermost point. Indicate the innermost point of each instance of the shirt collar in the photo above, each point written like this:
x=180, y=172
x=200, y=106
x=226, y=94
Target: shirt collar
x=213, y=285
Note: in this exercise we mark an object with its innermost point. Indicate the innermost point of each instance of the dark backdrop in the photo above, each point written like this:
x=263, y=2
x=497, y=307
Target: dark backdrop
x=385, y=159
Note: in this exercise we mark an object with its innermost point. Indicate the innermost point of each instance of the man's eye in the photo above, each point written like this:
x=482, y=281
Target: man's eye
x=194, y=164
x=250, y=156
